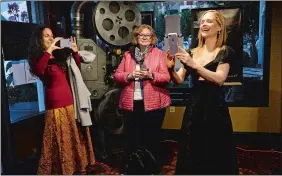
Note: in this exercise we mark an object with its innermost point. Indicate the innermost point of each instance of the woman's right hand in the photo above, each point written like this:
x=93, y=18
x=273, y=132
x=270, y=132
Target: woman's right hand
x=53, y=46
x=170, y=61
x=135, y=74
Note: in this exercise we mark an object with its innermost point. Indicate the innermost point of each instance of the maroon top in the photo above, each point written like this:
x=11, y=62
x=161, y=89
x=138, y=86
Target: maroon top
x=57, y=88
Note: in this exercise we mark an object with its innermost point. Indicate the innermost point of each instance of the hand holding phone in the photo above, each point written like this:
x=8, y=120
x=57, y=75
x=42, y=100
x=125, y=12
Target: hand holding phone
x=54, y=45
x=173, y=43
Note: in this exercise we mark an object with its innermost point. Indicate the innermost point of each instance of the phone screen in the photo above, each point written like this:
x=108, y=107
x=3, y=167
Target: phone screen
x=65, y=43
x=172, y=41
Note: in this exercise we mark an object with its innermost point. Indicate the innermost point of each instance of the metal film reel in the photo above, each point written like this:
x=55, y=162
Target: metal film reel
x=115, y=21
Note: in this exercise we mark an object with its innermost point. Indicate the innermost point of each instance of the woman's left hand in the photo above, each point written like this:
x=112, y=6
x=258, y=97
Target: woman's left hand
x=73, y=45
x=185, y=58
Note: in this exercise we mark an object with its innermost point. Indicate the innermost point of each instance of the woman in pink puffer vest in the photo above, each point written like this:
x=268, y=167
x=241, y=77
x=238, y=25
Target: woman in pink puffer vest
x=144, y=75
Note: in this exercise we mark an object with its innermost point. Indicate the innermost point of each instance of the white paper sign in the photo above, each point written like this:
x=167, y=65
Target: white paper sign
x=21, y=73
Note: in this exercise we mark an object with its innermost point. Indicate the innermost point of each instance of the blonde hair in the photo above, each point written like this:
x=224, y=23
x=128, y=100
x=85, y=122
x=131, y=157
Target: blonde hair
x=221, y=37
x=138, y=30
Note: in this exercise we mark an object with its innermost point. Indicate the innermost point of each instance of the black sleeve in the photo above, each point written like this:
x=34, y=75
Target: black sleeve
x=189, y=52
x=227, y=56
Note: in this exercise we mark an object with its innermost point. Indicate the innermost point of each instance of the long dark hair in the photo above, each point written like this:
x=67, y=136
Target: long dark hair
x=36, y=50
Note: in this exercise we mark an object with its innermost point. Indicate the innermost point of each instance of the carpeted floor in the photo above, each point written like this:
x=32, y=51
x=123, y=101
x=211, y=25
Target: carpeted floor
x=251, y=162
x=113, y=166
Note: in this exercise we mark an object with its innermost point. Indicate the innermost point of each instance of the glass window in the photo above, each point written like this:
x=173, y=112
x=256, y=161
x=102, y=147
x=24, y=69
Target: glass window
x=14, y=11
x=24, y=90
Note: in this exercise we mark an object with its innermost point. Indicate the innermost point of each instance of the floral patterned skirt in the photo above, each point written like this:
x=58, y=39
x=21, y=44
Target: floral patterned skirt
x=67, y=146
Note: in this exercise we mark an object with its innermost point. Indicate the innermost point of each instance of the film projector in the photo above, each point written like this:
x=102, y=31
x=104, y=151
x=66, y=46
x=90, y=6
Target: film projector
x=113, y=22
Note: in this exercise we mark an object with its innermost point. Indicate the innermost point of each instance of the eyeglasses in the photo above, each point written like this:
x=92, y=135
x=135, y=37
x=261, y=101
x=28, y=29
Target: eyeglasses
x=148, y=36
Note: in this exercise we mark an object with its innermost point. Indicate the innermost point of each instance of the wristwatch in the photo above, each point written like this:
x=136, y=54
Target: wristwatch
x=153, y=76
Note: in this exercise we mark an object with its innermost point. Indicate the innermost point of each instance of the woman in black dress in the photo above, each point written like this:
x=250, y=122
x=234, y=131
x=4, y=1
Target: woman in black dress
x=206, y=145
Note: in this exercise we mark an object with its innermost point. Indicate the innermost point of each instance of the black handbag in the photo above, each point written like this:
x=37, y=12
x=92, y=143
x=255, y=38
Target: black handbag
x=141, y=162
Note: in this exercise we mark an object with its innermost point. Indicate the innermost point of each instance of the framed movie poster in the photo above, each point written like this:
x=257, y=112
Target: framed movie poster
x=233, y=20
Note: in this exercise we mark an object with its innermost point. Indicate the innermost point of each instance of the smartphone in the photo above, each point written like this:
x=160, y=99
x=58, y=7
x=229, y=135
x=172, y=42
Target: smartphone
x=173, y=43
x=65, y=43
x=143, y=68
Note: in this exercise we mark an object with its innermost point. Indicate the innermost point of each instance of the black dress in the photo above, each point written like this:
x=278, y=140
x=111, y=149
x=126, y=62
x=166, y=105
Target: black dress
x=206, y=144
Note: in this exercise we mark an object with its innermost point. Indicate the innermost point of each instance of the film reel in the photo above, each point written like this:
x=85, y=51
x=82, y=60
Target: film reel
x=115, y=21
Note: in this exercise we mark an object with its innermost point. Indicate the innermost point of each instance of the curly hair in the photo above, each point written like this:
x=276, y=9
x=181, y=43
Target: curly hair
x=36, y=50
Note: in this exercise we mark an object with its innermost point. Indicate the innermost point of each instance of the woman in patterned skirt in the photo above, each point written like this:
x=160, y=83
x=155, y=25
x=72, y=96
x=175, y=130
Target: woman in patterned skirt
x=67, y=146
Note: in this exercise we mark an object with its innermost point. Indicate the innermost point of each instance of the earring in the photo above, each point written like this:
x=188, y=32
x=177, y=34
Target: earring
x=219, y=32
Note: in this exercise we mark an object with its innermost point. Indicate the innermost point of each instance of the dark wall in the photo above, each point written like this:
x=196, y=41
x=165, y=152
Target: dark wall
x=57, y=10
x=15, y=39
x=6, y=140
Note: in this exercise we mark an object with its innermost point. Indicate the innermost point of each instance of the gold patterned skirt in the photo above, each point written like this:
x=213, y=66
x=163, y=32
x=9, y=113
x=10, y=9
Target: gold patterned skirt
x=67, y=146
